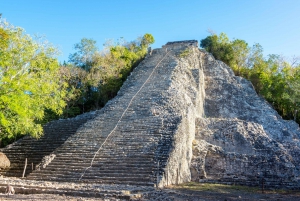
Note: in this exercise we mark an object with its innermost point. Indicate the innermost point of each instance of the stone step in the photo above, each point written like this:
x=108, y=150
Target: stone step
x=85, y=157
x=98, y=181
x=110, y=166
x=103, y=170
x=96, y=193
x=90, y=173
x=93, y=179
x=34, y=154
x=104, y=167
x=68, y=157
x=122, y=154
x=100, y=160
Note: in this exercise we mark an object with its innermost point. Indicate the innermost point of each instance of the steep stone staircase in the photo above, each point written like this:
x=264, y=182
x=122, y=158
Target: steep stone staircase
x=128, y=140
x=55, y=134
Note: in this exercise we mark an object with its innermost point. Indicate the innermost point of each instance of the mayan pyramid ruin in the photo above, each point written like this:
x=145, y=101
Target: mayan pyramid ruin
x=180, y=116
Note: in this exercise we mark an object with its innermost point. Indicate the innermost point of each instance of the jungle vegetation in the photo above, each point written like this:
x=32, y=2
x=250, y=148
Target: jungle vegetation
x=35, y=88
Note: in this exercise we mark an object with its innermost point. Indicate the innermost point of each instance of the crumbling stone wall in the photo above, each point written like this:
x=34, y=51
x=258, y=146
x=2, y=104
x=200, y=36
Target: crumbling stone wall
x=184, y=103
x=4, y=161
x=242, y=139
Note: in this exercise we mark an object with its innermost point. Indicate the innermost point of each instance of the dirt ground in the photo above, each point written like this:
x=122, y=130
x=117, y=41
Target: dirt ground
x=218, y=192
x=45, y=197
x=186, y=192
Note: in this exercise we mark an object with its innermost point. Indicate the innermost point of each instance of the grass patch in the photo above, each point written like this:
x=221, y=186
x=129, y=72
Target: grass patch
x=222, y=188
x=185, y=53
x=215, y=187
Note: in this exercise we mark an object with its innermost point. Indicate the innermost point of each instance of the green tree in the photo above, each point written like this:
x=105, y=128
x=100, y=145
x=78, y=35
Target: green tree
x=291, y=91
x=3, y=38
x=240, y=55
x=257, y=67
x=76, y=78
x=220, y=47
x=256, y=56
x=84, y=55
x=29, y=83
x=147, y=40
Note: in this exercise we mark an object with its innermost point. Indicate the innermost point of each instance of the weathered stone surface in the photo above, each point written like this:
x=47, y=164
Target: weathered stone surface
x=4, y=161
x=184, y=104
x=45, y=161
x=229, y=96
x=242, y=138
x=236, y=148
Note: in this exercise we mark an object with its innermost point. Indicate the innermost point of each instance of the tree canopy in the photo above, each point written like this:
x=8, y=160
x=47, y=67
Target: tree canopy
x=83, y=57
x=29, y=82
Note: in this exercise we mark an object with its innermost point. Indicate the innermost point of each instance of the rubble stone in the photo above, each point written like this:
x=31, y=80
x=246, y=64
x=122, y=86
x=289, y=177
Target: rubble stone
x=4, y=161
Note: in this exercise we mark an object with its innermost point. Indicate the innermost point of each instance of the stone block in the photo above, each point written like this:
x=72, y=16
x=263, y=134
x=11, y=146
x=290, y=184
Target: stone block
x=4, y=161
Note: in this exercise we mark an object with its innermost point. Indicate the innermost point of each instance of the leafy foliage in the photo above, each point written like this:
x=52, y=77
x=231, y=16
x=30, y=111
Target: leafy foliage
x=29, y=83
x=35, y=89
x=219, y=46
x=185, y=53
x=84, y=56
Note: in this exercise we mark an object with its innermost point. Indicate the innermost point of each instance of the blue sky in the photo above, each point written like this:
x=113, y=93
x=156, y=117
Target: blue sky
x=275, y=24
